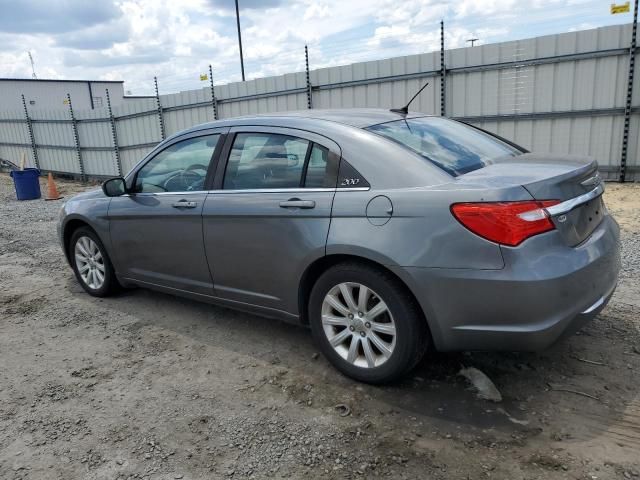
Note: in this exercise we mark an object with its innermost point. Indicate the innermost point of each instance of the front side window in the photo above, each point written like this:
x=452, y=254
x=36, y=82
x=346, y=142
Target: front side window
x=265, y=160
x=454, y=147
x=182, y=167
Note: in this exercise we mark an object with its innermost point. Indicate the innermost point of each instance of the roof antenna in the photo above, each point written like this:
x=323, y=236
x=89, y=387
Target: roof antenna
x=404, y=110
x=33, y=66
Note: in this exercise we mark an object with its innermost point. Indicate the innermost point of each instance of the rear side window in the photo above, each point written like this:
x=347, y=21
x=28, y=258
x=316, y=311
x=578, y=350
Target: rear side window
x=262, y=160
x=321, y=168
x=452, y=146
x=266, y=160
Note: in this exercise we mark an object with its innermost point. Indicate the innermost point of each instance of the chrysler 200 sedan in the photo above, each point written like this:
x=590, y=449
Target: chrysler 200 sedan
x=389, y=234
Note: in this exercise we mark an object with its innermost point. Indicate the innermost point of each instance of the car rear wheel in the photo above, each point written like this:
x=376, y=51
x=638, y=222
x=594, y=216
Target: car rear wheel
x=366, y=323
x=91, y=263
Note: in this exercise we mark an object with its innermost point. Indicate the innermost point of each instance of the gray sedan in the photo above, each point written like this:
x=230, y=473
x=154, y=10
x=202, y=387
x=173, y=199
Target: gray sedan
x=389, y=234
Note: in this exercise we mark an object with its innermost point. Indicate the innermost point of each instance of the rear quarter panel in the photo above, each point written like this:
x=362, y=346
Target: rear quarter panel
x=421, y=232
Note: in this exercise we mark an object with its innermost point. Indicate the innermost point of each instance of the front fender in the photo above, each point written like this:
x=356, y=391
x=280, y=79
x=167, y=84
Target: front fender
x=85, y=210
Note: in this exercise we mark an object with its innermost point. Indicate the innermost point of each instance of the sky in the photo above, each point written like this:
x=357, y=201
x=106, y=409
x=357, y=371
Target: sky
x=176, y=40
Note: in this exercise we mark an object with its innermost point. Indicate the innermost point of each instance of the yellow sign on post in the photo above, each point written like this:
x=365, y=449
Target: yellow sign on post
x=203, y=77
x=624, y=8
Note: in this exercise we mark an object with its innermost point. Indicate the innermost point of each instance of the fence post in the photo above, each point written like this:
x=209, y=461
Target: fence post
x=160, y=117
x=306, y=62
x=214, y=100
x=443, y=73
x=627, y=106
x=76, y=139
x=34, y=147
x=114, y=135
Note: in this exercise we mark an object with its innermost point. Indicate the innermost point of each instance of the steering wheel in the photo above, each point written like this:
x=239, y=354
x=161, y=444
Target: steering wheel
x=186, y=179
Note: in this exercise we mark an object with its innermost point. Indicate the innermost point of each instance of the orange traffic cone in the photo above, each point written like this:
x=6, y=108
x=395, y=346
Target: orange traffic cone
x=52, y=191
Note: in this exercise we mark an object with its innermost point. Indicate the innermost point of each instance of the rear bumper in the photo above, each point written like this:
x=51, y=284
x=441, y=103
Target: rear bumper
x=546, y=290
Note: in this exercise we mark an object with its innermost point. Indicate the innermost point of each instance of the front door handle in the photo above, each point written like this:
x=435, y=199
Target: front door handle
x=184, y=204
x=297, y=203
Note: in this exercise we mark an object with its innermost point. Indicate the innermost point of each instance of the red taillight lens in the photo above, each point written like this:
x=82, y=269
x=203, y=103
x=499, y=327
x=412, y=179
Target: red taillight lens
x=507, y=223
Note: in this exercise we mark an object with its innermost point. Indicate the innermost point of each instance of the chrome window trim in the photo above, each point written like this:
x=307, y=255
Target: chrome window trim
x=254, y=190
x=353, y=189
x=568, y=205
x=273, y=190
x=153, y=194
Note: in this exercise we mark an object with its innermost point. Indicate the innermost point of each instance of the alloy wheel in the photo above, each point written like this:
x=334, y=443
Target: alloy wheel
x=89, y=262
x=358, y=325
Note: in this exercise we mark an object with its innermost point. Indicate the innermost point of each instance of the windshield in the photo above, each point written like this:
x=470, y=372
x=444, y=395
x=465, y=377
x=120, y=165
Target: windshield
x=455, y=147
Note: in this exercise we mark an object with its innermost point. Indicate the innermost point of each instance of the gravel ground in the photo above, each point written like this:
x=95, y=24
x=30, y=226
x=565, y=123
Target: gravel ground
x=145, y=385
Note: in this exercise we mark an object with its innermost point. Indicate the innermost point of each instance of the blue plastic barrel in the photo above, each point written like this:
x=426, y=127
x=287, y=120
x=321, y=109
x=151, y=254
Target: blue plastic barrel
x=27, y=183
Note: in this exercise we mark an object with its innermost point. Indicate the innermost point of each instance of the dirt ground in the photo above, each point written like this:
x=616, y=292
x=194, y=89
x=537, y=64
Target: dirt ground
x=145, y=385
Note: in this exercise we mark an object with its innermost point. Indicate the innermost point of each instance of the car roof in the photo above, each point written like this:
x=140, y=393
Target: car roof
x=343, y=127
x=354, y=117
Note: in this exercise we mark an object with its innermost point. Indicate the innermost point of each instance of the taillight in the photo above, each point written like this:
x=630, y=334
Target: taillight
x=507, y=223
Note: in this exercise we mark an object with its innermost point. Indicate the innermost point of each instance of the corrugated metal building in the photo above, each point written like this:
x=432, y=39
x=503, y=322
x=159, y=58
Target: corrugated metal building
x=559, y=94
x=41, y=94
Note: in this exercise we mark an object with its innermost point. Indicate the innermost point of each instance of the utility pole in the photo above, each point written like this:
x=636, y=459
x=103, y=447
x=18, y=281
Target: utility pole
x=473, y=40
x=239, y=39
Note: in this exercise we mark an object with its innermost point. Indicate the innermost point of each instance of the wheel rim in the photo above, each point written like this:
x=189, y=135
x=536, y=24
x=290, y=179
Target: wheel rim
x=358, y=325
x=89, y=262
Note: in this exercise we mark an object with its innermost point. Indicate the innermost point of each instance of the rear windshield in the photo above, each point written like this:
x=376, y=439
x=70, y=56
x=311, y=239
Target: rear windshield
x=455, y=147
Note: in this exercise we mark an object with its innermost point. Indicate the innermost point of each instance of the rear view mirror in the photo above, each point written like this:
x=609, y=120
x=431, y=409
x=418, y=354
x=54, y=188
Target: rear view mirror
x=114, y=187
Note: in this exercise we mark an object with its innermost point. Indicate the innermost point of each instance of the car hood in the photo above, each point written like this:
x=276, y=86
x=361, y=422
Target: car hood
x=91, y=194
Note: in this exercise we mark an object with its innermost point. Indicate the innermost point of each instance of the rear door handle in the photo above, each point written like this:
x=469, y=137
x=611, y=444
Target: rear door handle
x=297, y=203
x=184, y=204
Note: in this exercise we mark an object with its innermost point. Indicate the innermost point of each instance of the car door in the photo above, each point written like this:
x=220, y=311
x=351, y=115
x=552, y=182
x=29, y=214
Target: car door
x=269, y=213
x=156, y=231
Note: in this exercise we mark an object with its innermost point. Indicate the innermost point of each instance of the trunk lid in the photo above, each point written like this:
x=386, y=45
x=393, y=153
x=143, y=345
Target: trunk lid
x=551, y=177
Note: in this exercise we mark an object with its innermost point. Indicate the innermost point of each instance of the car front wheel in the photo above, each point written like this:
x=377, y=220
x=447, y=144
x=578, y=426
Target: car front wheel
x=91, y=263
x=366, y=323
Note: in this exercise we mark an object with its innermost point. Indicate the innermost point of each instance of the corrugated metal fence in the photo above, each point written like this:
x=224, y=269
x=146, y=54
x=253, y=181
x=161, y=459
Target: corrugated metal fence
x=560, y=93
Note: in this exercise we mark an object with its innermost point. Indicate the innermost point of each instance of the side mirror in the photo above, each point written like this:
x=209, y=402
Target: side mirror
x=114, y=187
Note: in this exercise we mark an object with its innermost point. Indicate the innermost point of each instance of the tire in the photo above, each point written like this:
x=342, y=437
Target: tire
x=400, y=352
x=98, y=262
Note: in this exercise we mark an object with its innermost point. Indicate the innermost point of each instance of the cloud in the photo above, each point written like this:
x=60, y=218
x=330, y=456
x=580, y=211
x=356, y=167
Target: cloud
x=483, y=7
x=54, y=16
x=98, y=37
x=133, y=40
x=316, y=10
x=244, y=4
x=74, y=59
